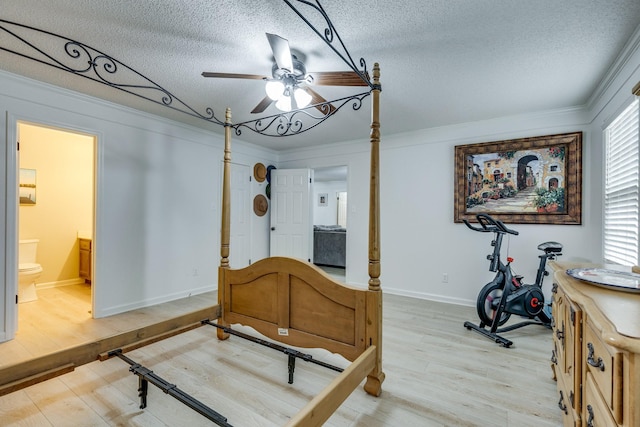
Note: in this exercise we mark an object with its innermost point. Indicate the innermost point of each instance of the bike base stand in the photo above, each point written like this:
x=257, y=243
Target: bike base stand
x=497, y=338
x=491, y=335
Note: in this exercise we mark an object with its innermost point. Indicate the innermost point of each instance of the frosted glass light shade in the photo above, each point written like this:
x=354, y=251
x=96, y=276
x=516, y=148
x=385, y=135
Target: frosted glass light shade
x=302, y=97
x=284, y=103
x=274, y=89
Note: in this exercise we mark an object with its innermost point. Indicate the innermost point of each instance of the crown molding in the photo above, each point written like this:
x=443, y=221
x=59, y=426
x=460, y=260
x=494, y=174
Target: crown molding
x=626, y=55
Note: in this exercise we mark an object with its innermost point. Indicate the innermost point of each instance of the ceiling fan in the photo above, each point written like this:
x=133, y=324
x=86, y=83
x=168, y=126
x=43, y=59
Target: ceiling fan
x=289, y=83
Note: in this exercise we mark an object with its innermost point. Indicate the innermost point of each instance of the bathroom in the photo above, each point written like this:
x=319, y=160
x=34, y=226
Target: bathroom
x=56, y=186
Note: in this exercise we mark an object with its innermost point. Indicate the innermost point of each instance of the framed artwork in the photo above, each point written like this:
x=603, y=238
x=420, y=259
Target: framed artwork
x=535, y=180
x=323, y=199
x=27, y=184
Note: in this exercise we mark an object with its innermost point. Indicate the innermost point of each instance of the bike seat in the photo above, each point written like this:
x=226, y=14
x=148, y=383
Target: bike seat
x=549, y=247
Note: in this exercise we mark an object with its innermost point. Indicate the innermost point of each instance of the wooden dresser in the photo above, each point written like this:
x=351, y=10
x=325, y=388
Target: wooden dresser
x=596, y=352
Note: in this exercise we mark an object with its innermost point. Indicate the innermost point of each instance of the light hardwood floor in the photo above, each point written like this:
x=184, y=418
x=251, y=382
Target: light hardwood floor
x=61, y=318
x=437, y=374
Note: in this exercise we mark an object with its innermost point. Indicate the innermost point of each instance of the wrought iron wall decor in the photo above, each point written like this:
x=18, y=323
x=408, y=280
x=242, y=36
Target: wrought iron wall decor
x=80, y=59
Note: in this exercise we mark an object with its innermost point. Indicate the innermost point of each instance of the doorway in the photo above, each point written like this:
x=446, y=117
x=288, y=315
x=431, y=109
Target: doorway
x=56, y=192
x=330, y=219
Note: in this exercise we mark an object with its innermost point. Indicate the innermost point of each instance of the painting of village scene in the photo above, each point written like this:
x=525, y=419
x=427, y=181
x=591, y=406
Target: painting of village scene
x=525, y=180
x=517, y=181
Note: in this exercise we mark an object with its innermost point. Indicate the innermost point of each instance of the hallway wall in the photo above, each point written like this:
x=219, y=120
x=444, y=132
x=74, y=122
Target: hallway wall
x=327, y=215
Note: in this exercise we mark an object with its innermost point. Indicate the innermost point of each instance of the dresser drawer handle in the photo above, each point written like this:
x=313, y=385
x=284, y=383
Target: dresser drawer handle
x=590, y=419
x=598, y=364
x=554, y=358
x=560, y=334
x=561, y=404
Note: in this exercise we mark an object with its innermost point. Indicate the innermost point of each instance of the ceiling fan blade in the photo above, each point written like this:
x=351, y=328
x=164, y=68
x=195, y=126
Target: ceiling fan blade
x=281, y=51
x=266, y=101
x=325, y=109
x=338, y=78
x=233, y=75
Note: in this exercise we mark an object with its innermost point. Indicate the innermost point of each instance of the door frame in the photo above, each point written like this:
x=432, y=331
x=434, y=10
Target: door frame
x=11, y=230
x=12, y=210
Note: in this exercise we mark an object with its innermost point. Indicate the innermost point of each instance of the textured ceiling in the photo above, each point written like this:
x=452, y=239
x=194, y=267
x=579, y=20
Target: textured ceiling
x=442, y=61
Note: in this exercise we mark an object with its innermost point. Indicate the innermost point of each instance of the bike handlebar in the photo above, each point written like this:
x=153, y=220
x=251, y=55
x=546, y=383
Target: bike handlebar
x=490, y=224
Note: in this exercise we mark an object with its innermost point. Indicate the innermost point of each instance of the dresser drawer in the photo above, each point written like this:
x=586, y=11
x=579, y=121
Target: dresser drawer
x=596, y=410
x=559, y=327
x=570, y=418
x=573, y=331
x=604, y=365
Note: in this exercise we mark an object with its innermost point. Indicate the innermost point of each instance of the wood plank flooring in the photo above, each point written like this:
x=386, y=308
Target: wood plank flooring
x=61, y=318
x=437, y=374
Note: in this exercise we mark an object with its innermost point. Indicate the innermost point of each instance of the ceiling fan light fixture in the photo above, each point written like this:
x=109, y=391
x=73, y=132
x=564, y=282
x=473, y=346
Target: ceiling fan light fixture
x=284, y=103
x=302, y=97
x=274, y=89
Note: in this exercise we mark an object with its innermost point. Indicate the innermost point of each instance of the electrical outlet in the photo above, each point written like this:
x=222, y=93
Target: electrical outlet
x=445, y=277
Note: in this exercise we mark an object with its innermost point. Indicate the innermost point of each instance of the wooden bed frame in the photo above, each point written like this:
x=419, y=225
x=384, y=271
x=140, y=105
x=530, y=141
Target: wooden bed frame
x=295, y=303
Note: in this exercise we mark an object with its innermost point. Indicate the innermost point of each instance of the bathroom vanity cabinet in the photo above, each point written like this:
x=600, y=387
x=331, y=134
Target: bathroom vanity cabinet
x=85, y=259
x=596, y=351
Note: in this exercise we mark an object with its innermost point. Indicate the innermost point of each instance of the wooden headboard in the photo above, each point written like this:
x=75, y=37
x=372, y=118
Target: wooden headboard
x=296, y=303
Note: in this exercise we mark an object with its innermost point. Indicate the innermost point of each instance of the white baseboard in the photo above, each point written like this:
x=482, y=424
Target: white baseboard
x=59, y=283
x=109, y=311
x=431, y=297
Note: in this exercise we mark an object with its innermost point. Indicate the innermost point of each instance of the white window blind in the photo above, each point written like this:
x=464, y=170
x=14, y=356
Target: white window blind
x=622, y=141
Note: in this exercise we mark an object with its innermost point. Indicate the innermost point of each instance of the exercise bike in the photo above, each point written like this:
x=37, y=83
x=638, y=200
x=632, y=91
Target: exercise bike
x=506, y=294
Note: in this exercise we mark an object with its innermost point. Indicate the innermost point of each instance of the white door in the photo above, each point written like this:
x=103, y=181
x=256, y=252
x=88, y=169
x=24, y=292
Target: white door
x=239, y=251
x=291, y=213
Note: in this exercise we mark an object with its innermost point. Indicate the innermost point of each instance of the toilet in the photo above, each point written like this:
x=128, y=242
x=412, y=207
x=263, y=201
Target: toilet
x=28, y=270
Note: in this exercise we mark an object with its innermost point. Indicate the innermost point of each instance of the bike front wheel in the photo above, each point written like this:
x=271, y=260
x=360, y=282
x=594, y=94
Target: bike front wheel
x=487, y=305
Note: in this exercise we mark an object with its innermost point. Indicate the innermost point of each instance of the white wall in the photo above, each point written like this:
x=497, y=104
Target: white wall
x=327, y=215
x=158, y=194
x=442, y=246
x=419, y=240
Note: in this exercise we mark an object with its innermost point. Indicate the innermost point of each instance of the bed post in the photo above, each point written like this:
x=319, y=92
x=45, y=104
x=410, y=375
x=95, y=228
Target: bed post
x=225, y=228
x=373, y=385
